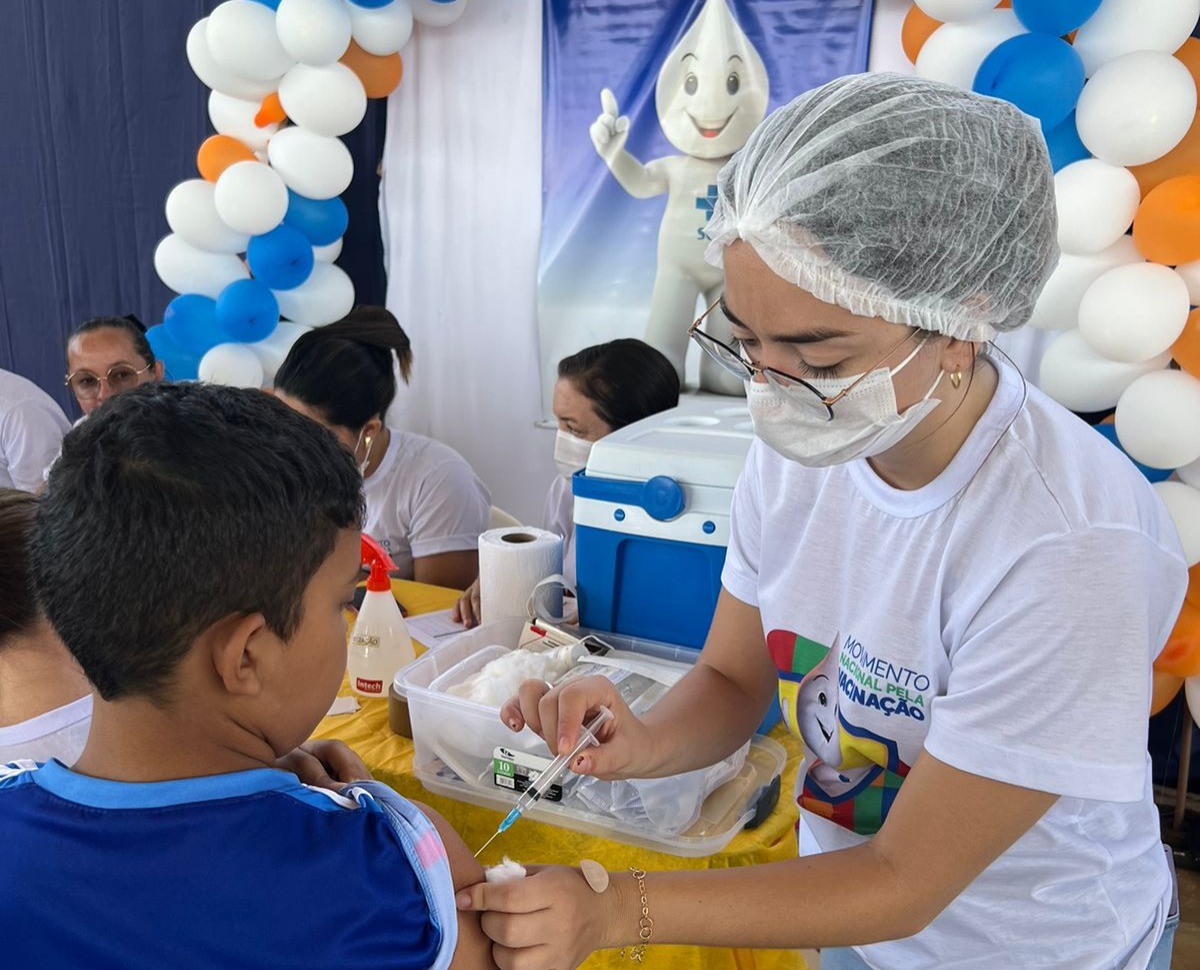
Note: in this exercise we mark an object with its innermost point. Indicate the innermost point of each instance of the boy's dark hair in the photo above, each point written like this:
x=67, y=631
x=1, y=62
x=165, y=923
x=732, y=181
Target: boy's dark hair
x=175, y=505
x=344, y=370
x=129, y=324
x=18, y=608
x=626, y=380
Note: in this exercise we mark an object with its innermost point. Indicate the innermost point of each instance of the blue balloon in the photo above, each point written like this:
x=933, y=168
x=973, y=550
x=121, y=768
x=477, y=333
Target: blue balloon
x=1152, y=474
x=273, y=4
x=191, y=323
x=370, y=4
x=247, y=311
x=1040, y=74
x=178, y=363
x=1064, y=144
x=281, y=259
x=1055, y=17
x=322, y=220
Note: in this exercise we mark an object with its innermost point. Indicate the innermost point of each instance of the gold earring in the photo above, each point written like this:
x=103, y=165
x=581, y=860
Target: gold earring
x=956, y=379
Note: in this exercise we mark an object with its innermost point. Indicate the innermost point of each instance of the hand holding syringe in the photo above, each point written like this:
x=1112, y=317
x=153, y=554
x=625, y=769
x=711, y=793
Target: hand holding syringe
x=555, y=771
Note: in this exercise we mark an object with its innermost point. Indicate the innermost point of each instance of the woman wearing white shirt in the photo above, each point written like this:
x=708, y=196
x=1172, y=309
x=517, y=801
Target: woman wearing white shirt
x=956, y=587
x=424, y=502
x=599, y=389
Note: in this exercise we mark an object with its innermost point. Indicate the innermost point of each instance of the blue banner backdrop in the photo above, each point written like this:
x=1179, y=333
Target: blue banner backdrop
x=683, y=82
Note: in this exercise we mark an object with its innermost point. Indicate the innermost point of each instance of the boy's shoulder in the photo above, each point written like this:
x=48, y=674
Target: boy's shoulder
x=271, y=863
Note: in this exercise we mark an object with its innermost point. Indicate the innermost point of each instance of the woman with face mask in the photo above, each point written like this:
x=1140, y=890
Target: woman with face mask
x=599, y=389
x=955, y=585
x=424, y=502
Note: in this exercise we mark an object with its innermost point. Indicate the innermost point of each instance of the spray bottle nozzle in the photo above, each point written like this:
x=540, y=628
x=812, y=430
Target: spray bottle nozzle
x=375, y=556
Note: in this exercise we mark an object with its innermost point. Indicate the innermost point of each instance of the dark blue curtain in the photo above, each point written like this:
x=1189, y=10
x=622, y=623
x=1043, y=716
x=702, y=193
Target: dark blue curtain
x=100, y=115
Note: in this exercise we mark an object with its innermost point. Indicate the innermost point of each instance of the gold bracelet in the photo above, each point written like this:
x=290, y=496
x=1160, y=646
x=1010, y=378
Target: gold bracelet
x=645, y=923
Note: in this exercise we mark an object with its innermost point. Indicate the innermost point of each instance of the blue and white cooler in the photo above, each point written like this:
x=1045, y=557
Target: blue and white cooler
x=652, y=520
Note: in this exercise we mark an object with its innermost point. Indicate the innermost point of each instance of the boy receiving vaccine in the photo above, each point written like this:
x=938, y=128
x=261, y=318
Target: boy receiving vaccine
x=195, y=549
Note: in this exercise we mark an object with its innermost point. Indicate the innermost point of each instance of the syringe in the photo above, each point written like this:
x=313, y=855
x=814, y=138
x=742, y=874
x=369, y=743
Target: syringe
x=553, y=772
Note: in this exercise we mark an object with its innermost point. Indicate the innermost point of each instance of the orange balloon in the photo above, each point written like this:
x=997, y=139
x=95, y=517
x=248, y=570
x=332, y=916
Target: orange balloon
x=1186, y=351
x=219, y=152
x=1181, y=655
x=1184, y=158
x=1166, y=686
x=380, y=76
x=1166, y=228
x=917, y=27
x=1193, y=590
x=270, y=112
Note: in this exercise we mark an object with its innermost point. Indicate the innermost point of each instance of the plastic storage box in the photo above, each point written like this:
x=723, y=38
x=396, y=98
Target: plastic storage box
x=652, y=520
x=455, y=743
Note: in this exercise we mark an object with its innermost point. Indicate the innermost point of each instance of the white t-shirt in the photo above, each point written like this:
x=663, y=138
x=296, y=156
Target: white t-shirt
x=60, y=733
x=558, y=516
x=1004, y=618
x=31, y=432
x=424, y=499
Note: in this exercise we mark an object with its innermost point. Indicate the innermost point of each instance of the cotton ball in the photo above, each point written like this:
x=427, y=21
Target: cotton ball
x=507, y=871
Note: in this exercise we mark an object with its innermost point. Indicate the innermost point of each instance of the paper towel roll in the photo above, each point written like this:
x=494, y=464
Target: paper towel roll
x=511, y=562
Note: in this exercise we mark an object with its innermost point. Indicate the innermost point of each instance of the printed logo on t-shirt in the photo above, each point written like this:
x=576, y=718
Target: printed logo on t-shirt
x=852, y=774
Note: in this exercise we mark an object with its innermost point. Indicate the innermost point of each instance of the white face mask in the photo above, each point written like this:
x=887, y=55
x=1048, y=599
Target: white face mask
x=865, y=422
x=570, y=453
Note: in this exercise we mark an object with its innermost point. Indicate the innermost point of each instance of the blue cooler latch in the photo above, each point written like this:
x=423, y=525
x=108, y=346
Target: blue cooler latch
x=661, y=497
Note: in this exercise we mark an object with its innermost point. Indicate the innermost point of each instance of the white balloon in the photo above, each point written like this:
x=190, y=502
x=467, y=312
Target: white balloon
x=433, y=14
x=272, y=351
x=327, y=100
x=382, y=30
x=1190, y=474
x=235, y=117
x=186, y=269
x=1190, y=274
x=1183, y=503
x=1135, y=312
x=954, y=51
x=234, y=365
x=327, y=254
x=313, y=31
x=1081, y=380
x=1122, y=26
x=950, y=10
x=251, y=198
x=1157, y=419
x=1057, y=306
x=192, y=213
x=1191, y=691
x=1096, y=203
x=1136, y=108
x=327, y=295
x=312, y=165
x=242, y=39
x=213, y=75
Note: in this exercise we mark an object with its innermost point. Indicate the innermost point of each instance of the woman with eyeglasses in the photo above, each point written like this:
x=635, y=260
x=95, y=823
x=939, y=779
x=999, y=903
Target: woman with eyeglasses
x=424, y=502
x=956, y=587
x=107, y=355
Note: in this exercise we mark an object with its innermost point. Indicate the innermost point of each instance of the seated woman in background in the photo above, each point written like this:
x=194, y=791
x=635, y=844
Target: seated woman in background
x=45, y=700
x=599, y=389
x=424, y=502
x=107, y=355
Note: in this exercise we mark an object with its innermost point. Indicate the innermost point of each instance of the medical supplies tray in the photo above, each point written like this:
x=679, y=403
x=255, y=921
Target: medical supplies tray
x=454, y=741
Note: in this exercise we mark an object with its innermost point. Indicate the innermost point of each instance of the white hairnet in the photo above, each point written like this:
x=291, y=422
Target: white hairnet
x=901, y=198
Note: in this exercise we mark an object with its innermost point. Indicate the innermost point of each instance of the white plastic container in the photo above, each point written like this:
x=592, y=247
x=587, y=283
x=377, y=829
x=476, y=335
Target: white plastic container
x=379, y=643
x=455, y=743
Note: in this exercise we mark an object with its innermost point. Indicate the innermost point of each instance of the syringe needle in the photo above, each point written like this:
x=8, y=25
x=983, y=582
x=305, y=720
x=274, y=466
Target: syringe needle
x=495, y=835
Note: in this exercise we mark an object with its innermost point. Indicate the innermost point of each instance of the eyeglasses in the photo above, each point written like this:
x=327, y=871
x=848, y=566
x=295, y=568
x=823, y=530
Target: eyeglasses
x=120, y=377
x=734, y=361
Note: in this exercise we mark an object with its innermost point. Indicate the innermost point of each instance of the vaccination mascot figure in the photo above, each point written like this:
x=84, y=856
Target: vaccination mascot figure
x=711, y=93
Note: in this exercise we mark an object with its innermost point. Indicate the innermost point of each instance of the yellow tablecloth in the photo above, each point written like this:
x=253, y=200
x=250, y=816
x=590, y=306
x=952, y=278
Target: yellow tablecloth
x=390, y=759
